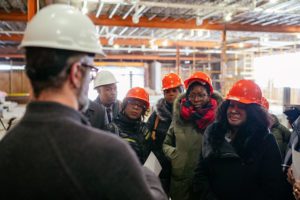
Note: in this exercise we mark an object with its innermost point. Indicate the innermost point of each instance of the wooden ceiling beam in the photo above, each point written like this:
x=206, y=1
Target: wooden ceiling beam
x=131, y=57
x=119, y=64
x=11, y=37
x=13, y=16
x=153, y=57
x=171, y=23
x=160, y=43
x=168, y=23
x=133, y=42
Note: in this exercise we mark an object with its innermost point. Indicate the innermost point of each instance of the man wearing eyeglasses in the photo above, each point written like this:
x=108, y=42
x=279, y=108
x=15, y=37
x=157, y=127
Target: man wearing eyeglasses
x=52, y=153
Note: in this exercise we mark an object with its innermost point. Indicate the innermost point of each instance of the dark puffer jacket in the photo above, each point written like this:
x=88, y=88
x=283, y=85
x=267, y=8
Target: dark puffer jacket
x=162, y=113
x=135, y=132
x=248, y=169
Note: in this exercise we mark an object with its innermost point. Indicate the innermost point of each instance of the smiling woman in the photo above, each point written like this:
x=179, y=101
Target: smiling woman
x=192, y=113
x=240, y=159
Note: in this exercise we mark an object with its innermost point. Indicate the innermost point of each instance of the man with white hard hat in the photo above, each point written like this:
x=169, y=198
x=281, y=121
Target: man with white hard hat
x=106, y=106
x=52, y=153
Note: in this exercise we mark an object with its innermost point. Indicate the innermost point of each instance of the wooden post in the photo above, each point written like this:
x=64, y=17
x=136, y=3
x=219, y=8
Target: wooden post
x=32, y=8
x=177, y=60
x=223, y=62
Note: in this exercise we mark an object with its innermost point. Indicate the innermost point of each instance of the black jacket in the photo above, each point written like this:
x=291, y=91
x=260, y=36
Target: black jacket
x=249, y=171
x=135, y=132
x=96, y=115
x=163, y=111
x=52, y=154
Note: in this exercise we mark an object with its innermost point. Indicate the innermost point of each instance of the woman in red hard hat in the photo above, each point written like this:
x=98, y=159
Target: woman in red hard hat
x=193, y=112
x=129, y=123
x=240, y=159
x=159, y=123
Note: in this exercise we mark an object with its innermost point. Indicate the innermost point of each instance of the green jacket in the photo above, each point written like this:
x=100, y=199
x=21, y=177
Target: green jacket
x=182, y=147
x=281, y=134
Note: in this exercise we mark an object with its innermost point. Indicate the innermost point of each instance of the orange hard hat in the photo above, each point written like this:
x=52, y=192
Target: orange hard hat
x=140, y=94
x=265, y=103
x=171, y=80
x=200, y=77
x=245, y=91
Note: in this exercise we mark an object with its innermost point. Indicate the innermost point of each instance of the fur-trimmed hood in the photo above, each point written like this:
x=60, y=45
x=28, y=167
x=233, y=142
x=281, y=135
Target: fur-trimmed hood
x=176, y=108
x=176, y=104
x=163, y=112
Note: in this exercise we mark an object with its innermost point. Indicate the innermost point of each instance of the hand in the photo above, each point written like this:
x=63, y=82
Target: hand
x=296, y=190
x=290, y=176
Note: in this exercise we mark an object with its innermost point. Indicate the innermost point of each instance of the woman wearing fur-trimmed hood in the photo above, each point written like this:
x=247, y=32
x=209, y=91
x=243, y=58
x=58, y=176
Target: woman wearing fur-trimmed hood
x=192, y=113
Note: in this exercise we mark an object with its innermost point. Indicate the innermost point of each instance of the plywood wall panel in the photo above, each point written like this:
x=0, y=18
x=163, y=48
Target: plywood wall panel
x=4, y=81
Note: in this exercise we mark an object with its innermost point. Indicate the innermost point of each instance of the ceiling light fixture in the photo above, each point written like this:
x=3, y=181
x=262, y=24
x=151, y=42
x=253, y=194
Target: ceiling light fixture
x=228, y=17
x=116, y=46
x=84, y=8
x=165, y=43
x=199, y=21
x=135, y=19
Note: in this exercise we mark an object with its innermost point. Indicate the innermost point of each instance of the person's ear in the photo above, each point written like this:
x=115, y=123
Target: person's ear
x=75, y=76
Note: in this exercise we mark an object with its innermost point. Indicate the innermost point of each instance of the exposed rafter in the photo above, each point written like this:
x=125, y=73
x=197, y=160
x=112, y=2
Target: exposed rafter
x=132, y=57
x=157, y=22
x=133, y=42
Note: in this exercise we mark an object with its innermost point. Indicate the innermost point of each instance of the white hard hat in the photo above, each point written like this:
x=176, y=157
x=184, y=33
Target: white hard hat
x=62, y=26
x=104, y=78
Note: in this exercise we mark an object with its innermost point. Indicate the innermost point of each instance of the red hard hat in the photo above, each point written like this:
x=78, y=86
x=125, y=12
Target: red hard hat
x=200, y=77
x=171, y=80
x=140, y=94
x=245, y=91
x=265, y=103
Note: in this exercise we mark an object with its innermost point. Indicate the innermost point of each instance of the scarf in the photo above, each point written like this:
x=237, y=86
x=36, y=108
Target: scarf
x=202, y=116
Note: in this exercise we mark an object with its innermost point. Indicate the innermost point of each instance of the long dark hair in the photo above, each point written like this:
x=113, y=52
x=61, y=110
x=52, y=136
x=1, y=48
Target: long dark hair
x=249, y=134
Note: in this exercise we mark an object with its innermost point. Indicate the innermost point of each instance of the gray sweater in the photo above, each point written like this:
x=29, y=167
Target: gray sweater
x=53, y=154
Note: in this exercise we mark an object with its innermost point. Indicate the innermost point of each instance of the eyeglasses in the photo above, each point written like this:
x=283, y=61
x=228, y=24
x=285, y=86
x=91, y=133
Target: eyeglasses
x=93, y=70
x=136, y=103
x=200, y=96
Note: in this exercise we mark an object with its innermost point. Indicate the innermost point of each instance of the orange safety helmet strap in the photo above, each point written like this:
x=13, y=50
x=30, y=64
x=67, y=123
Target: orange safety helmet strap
x=199, y=77
x=171, y=80
x=140, y=94
x=245, y=91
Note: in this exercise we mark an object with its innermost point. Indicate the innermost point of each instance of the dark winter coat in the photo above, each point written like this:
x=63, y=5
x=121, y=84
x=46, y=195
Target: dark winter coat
x=135, y=132
x=162, y=111
x=248, y=170
x=294, y=142
x=282, y=135
x=53, y=154
x=96, y=115
x=182, y=146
